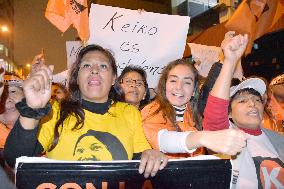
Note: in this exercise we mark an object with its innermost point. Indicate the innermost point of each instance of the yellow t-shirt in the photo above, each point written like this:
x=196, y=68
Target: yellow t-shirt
x=116, y=135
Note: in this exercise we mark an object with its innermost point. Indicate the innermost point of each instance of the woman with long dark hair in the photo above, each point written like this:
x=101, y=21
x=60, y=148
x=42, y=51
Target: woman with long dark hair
x=90, y=125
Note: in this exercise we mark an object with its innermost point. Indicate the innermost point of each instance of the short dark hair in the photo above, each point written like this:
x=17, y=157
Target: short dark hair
x=143, y=74
x=242, y=91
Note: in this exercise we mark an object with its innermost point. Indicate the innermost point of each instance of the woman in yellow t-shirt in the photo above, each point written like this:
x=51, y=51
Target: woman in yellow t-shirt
x=90, y=124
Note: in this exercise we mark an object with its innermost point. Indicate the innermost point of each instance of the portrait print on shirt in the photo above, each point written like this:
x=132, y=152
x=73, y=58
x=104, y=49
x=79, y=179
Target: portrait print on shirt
x=97, y=146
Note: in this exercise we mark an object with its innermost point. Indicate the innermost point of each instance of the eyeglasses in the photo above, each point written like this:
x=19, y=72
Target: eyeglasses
x=136, y=82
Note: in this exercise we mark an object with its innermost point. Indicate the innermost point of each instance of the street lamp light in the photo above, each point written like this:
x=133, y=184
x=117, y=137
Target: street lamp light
x=5, y=35
x=4, y=29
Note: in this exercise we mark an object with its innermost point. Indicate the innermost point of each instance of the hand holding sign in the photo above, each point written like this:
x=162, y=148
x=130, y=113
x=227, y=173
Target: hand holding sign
x=151, y=162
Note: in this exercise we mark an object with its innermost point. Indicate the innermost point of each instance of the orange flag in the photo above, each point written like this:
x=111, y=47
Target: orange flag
x=63, y=13
x=279, y=12
x=253, y=17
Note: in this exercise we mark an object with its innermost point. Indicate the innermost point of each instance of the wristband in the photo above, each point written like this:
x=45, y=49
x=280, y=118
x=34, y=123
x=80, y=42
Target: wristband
x=35, y=113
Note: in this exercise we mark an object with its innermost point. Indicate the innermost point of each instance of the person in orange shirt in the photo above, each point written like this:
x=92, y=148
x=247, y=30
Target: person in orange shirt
x=171, y=122
x=275, y=105
x=3, y=130
x=12, y=94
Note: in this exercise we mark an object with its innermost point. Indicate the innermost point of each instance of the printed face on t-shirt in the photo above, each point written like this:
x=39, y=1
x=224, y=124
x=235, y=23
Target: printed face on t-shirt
x=96, y=145
x=89, y=148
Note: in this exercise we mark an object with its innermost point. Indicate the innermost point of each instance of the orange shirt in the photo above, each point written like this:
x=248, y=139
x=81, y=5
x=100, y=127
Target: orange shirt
x=275, y=121
x=276, y=108
x=4, y=132
x=153, y=124
x=272, y=124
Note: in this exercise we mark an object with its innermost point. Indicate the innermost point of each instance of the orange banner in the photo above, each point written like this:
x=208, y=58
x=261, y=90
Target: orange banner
x=255, y=17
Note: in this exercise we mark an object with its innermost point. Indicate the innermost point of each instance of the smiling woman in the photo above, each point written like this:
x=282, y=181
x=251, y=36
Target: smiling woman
x=171, y=122
x=174, y=103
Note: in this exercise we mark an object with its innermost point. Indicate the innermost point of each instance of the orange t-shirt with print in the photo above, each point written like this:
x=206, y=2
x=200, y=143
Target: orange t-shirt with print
x=152, y=124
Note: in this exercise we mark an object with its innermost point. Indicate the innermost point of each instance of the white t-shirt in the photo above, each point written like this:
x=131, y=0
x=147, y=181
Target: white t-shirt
x=259, y=166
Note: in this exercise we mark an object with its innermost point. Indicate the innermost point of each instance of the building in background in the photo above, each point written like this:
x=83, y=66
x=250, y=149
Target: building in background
x=33, y=32
x=7, y=37
x=158, y=6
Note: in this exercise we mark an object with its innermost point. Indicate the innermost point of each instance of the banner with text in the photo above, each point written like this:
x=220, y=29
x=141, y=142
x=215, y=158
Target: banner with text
x=147, y=39
x=122, y=175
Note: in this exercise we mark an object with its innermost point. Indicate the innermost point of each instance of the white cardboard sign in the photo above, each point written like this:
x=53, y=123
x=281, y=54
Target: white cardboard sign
x=147, y=39
x=72, y=50
x=206, y=56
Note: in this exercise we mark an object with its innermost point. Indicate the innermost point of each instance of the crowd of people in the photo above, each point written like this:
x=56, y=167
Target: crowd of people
x=106, y=117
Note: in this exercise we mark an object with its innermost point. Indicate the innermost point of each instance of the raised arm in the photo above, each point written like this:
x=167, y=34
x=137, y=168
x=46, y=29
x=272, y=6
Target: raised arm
x=233, y=50
x=37, y=91
x=216, y=111
x=22, y=140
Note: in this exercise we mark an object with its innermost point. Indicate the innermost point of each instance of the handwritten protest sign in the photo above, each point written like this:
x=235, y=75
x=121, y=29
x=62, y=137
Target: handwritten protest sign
x=72, y=49
x=205, y=55
x=146, y=39
x=61, y=77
